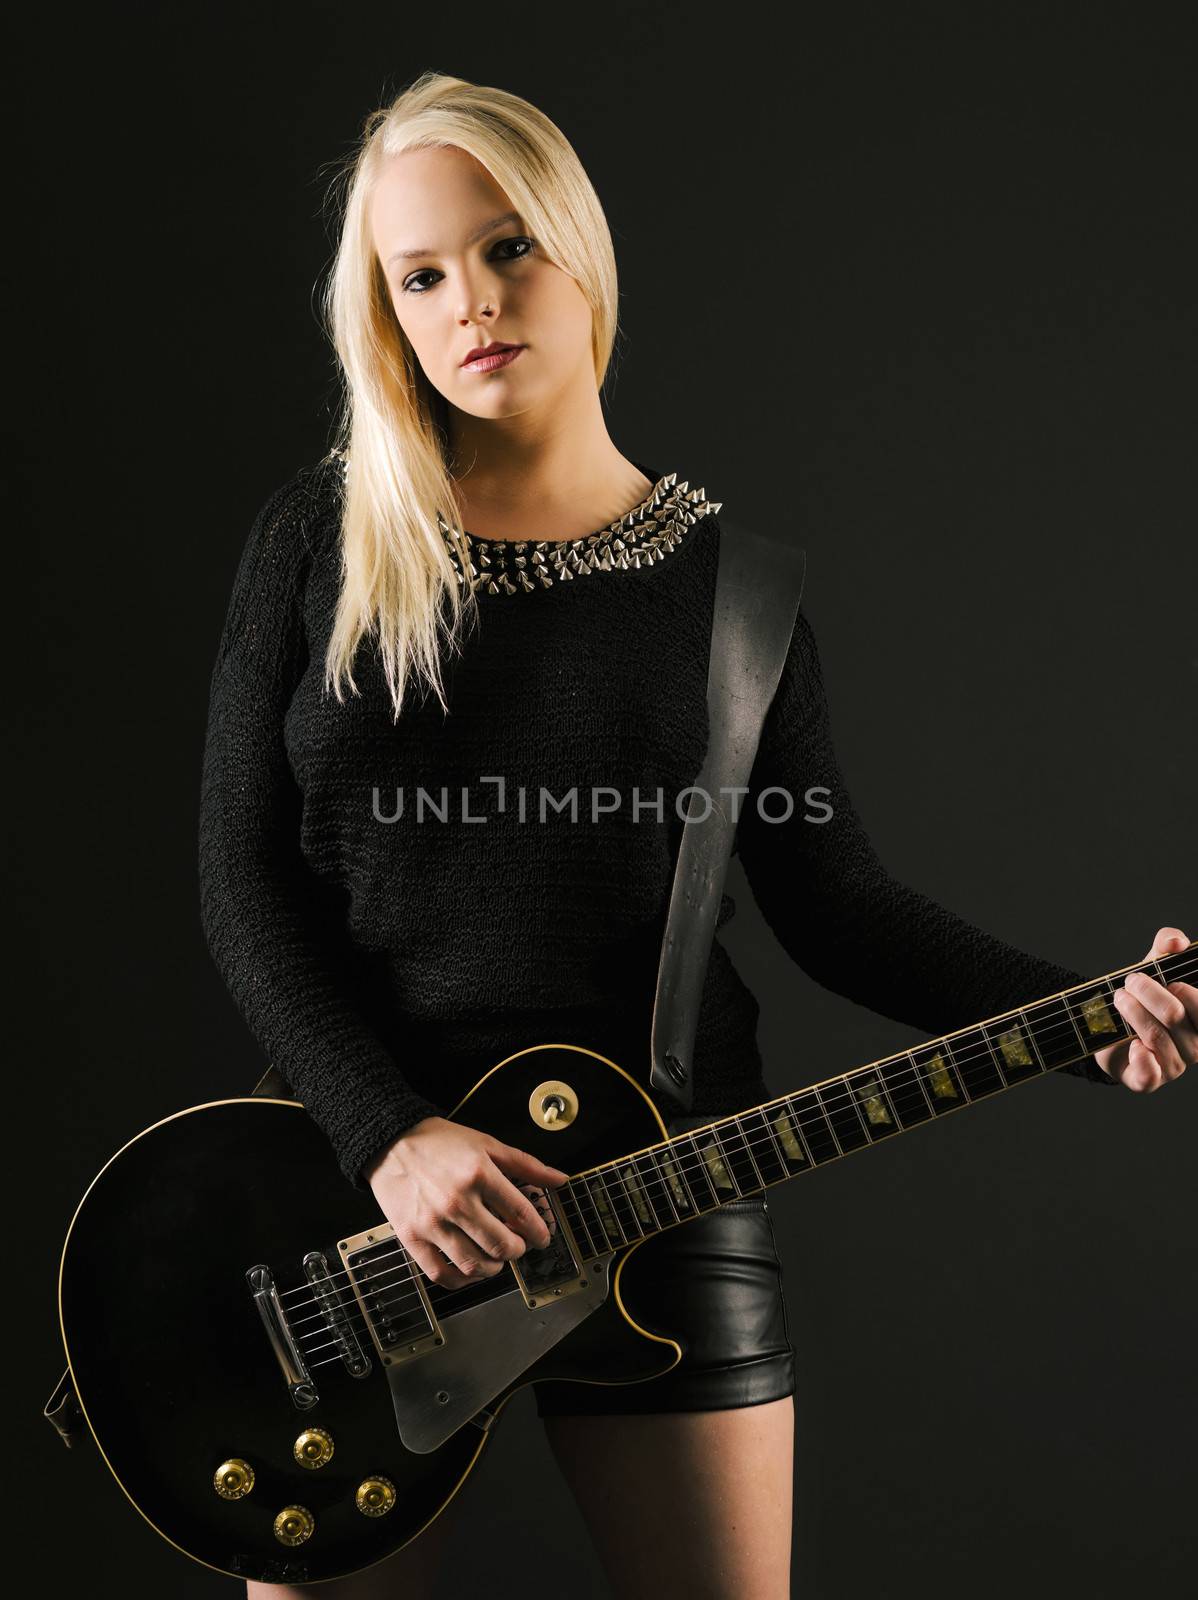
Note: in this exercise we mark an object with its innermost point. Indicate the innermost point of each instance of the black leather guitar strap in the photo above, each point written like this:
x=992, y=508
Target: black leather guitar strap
x=759, y=584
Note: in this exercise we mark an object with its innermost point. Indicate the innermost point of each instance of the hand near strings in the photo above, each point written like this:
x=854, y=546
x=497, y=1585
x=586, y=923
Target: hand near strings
x=450, y=1194
x=1164, y=1018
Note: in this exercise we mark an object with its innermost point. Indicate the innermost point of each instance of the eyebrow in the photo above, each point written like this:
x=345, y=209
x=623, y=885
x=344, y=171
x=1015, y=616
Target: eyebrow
x=471, y=238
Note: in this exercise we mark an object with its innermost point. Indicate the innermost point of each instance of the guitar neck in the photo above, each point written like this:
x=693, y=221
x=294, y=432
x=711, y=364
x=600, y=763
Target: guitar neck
x=694, y=1173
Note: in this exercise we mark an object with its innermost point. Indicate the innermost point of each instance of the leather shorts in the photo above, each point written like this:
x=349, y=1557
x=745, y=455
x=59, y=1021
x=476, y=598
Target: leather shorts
x=715, y=1286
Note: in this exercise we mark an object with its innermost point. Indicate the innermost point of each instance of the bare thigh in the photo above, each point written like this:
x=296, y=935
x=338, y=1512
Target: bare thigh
x=695, y=1503
x=411, y=1573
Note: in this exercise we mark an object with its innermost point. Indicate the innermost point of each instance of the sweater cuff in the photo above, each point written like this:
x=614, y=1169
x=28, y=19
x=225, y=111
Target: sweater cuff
x=367, y=1126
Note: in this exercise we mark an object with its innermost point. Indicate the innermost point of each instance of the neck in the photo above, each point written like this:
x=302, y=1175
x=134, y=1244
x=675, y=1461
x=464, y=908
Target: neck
x=693, y=1173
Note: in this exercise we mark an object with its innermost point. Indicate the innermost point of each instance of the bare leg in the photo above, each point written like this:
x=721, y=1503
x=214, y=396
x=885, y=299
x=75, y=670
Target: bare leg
x=695, y=1503
x=410, y=1572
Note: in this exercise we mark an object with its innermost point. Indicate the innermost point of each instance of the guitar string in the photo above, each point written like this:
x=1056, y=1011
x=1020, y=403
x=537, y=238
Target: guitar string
x=654, y=1189
x=689, y=1164
x=829, y=1101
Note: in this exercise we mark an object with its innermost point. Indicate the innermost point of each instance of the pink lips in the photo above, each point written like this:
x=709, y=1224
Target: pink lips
x=489, y=363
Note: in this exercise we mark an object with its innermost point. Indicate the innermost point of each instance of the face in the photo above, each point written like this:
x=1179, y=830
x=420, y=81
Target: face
x=463, y=271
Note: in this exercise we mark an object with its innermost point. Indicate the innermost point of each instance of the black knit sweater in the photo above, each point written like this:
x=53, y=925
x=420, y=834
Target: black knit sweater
x=384, y=963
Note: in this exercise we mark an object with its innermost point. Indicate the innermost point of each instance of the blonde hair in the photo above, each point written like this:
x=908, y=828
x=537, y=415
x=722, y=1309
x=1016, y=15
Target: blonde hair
x=399, y=583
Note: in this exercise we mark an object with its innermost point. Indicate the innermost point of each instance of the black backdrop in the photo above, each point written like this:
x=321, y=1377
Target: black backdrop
x=918, y=284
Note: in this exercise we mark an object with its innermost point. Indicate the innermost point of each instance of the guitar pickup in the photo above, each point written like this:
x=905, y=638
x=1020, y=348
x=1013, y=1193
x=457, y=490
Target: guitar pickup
x=389, y=1288
x=547, y=1272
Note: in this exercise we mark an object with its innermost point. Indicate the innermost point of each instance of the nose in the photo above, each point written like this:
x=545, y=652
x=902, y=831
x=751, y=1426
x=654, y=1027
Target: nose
x=485, y=311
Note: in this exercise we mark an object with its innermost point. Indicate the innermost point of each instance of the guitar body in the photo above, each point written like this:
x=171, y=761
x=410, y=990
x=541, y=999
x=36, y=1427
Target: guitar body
x=172, y=1364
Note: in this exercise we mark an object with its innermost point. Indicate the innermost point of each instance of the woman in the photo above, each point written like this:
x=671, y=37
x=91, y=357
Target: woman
x=527, y=609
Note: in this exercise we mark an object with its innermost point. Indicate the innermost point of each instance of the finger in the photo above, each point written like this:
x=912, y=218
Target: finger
x=1143, y=1071
x=470, y=1261
x=484, y=1226
x=516, y=1209
x=518, y=1164
x=434, y=1265
x=1160, y=1020
x=1188, y=995
x=1167, y=941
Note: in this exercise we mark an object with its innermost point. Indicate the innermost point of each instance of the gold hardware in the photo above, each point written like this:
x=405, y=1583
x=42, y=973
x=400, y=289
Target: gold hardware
x=413, y=1343
x=313, y=1448
x=294, y=1524
x=553, y=1105
x=233, y=1478
x=375, y=1497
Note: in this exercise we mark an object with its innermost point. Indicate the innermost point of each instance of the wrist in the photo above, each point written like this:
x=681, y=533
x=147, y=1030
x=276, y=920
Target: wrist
x=387, y=1154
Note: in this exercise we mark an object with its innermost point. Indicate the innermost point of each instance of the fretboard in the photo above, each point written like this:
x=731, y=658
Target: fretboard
x=693, y=1173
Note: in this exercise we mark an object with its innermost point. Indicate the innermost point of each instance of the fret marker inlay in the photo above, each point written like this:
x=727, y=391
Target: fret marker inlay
x=672, y=1178
x=1014, y=1048
x=610, y=1226
x=870, y=1095
x=1098, y=1016
x=639, y=1202
x=715, y=1166
x=943, y=1086
x=784, y=1128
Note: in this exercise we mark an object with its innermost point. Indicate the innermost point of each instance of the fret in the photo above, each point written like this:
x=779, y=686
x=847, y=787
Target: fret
x=874, y=1103
x=938, y=1074
x=738, y=1157
x=976, y=1067
x=626, y=1171
x=808, y=1113
x=904, y=1085
x=1031, y=1039
x=788, y=1136
x=718, y=1170
x=693, y=1165
x=1054, y=1032
x=1011, y=1049
x=597, y=1190
x=656, y=1190
x=596, y=1239
x=613, y=1182
x=845, y=1120
x=1125, y=1029
x=681, y=1194
x=572, y=1212
x=1095, y=1017
x=763, y=1141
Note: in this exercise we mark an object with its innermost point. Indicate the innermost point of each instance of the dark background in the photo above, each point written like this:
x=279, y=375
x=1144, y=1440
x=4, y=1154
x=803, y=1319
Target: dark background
x=918, y=285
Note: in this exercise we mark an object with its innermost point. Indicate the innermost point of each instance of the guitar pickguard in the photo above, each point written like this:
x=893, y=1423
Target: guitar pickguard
x=486, y=1348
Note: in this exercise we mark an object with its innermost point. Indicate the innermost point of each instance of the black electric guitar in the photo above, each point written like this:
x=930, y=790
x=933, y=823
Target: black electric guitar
x=284, y=1396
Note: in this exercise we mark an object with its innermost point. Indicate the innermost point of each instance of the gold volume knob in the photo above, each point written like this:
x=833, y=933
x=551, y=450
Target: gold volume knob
x=375, y=1497
x=233, y=1478
x=313, y=1448
x=294, y=1524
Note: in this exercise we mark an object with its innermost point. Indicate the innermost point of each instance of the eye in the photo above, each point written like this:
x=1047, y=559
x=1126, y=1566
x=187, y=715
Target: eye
x=411, y=285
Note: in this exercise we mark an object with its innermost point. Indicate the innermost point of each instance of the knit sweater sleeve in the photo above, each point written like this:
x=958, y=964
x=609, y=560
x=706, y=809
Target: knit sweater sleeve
x=836, y=909
x=285, y=960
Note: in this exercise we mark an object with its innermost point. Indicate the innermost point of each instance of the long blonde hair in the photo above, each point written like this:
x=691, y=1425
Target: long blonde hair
x=398, y=581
